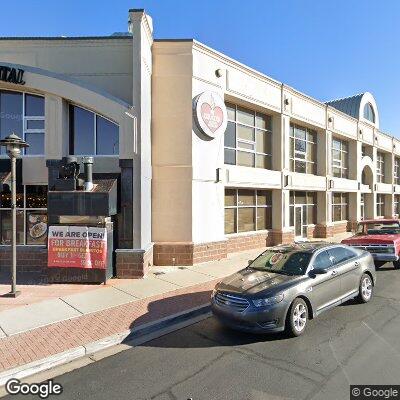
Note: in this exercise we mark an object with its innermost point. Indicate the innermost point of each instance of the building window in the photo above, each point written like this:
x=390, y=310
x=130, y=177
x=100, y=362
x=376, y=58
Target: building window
x=340, y=206
x=340, y=158
x=23, y=114
x=362, y=206
x=380, y=167
x=363, y=151
x=308, y=202
x=303, y=149
x=31, y=215
x=396, y=205
x=397, y=171
x=91, y=134
x=248, y=138
x=369, y=113
x=247, y=210
x=380, y=205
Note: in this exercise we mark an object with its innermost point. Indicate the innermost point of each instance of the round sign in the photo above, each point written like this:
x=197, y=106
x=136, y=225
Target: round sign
x=210, y=113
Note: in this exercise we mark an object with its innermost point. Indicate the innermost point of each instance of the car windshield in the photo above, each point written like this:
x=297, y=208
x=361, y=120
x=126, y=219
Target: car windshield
x=286, y=262
x=379, y=228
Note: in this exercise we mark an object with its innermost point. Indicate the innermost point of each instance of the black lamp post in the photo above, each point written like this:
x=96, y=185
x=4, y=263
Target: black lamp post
x=13, y=145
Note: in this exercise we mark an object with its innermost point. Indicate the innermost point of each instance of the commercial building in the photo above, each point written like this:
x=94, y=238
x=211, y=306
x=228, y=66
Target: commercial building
x=212, y=156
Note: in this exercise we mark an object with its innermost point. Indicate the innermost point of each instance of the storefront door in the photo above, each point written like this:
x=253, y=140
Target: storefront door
x=300, y=222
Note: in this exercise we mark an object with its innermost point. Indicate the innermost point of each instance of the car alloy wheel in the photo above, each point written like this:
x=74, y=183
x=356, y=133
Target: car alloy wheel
x=366, y=288
x=297, y=318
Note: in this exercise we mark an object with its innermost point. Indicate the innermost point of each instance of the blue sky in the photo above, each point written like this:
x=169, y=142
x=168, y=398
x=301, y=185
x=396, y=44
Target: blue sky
x=326, y=49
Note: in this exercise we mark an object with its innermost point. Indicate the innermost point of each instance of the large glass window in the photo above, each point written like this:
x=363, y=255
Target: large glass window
x=91, y=134
x=369, y=113
x=340, y=158
x=248, y=138
x=396, y=205
x=397, y=171
x=380, y=167
x=380, y=211
x=247, y=210
x=340, y=205
x=303, y=143
x=31, y=215
x=23, y=114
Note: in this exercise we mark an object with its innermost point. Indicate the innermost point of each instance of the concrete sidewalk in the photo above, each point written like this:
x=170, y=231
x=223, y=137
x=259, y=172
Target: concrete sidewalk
x=40, y=335
x=43, y=334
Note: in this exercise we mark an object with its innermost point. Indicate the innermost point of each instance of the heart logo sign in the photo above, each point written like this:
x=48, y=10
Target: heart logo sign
x=212, y=116
x=210, y=113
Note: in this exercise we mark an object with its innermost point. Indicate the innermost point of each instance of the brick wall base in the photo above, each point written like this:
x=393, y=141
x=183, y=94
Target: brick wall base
x=133, y=263
x=340, y=228
x=31, y=264
x=248, y=242
x=351, y=225
x=281, y=237
x=186, y=253
x=323, y=231
x=311, y=231
x=327, y=231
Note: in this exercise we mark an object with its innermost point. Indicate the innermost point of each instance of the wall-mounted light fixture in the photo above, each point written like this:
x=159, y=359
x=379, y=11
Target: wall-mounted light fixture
x=286, y=102
x=219, y=72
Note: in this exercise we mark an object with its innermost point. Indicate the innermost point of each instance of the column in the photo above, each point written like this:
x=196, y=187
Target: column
x=136, y=256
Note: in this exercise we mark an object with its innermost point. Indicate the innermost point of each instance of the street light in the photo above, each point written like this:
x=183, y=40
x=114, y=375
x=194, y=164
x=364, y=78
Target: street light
x=13, y=145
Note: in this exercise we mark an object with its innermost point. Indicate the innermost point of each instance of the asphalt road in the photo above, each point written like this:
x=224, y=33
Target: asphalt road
x=353, y=343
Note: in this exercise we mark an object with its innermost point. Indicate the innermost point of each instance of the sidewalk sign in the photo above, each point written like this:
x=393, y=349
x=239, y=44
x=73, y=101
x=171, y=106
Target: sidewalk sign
x=77, y=247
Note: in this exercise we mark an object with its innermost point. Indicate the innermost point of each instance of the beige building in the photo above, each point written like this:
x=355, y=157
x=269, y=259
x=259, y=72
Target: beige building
x=212, y=156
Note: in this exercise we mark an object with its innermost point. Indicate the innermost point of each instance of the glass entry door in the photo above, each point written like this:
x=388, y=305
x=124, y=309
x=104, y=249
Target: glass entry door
x=300, y=222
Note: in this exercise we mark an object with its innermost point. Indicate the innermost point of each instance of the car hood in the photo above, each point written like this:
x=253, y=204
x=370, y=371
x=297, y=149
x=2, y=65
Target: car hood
x=251, y=281
x=371, y=239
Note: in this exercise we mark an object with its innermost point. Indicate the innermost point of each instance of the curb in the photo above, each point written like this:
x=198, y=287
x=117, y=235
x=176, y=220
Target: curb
x=132, y=337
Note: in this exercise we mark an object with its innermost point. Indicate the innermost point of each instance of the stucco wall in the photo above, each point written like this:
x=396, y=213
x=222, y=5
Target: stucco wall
x=105, y=63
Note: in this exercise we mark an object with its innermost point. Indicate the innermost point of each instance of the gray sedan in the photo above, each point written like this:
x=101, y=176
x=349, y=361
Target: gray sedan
x=285, y=286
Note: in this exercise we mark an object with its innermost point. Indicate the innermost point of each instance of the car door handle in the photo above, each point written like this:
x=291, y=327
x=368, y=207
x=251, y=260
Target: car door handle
x=357, y=264
x=334, y=272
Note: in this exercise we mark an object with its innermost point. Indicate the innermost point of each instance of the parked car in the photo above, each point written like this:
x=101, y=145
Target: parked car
x=381, y=238
x=285, y=286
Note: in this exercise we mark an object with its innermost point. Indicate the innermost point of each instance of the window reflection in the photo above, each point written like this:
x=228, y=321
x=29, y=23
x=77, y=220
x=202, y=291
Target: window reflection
x=107, y=140
x=91, y=134
x=28, y=126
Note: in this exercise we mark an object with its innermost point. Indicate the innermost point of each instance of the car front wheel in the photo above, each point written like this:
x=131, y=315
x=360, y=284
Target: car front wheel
x=366, y=289
x=297, y=318
x=396, y=264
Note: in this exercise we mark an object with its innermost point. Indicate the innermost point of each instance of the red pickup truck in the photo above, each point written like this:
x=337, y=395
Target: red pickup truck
x=380, y=237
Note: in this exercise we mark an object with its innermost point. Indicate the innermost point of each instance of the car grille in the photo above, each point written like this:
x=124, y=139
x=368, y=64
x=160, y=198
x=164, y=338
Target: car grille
x=377, y=248
x=233, y=302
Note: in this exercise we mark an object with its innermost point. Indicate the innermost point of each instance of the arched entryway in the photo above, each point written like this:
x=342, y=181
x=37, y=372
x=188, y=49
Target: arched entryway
x=366, y=196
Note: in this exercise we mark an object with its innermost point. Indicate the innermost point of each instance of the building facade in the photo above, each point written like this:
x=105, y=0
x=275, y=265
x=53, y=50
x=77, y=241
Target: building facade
x=263, y=164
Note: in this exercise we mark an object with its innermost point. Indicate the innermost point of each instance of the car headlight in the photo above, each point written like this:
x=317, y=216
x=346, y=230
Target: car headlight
x=268, y=301
x=214, y=292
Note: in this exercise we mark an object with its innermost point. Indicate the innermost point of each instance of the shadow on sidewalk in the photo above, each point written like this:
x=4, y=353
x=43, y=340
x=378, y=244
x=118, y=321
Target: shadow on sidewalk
x=206, y=333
